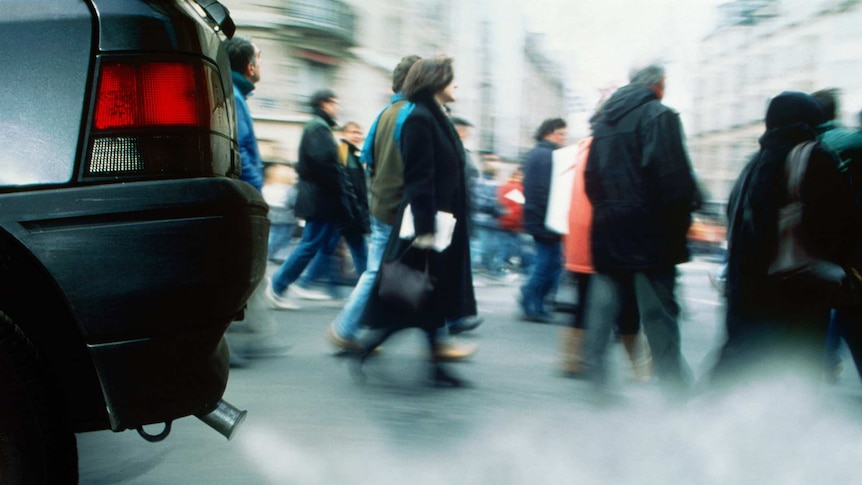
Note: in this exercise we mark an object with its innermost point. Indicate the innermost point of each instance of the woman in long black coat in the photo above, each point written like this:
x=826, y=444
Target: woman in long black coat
x=434, y=161
x=772, y=326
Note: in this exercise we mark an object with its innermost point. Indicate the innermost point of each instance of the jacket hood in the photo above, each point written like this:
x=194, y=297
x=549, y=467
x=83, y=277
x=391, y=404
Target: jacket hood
x=623, y=101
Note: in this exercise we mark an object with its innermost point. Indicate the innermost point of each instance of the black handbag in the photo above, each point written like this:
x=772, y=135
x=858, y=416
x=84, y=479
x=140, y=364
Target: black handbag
x=793, y=263
x=403, y=286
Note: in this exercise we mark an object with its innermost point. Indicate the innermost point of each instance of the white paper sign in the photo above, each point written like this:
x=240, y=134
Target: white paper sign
x=560, y=196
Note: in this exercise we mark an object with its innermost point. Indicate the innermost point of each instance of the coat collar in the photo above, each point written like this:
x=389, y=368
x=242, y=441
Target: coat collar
x=244, y=85
x=325, y=116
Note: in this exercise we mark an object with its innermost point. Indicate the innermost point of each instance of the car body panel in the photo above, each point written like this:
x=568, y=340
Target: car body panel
x=126, y=285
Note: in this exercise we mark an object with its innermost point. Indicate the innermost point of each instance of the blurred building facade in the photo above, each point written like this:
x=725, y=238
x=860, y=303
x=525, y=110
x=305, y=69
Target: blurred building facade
x=506, y=82
x=759, y=49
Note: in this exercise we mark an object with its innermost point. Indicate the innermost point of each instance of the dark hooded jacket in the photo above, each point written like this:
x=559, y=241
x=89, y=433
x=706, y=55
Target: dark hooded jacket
x=320, y=172
x=764, y=314
x=639, y=180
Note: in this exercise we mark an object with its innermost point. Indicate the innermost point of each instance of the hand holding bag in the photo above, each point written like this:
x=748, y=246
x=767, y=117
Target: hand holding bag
x=793, y=263
x=404, y=286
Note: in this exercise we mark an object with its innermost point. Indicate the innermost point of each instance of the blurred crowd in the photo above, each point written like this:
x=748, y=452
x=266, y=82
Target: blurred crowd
x=605, y=217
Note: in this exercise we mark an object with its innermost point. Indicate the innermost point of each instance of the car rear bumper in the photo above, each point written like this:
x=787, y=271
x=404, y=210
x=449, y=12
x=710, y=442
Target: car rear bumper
x=154, y=272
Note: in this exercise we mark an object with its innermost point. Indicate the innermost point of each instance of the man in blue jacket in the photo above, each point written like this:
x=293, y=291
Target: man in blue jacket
x=256, y=335
x=537, y=187
x=640, y=182
x=245, y=70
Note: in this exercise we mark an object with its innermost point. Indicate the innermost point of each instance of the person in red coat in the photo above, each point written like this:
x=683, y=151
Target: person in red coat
x=510, y=197
x=579, y=260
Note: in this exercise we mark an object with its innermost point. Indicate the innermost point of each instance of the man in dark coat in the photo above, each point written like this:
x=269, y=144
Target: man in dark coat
x=548, y=263
x=326, y=265
x=772, y=326
x=320, y=195
x=640, y=182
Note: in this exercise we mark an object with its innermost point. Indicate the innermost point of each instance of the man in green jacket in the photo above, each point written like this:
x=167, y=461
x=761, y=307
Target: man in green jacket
x=847, y=144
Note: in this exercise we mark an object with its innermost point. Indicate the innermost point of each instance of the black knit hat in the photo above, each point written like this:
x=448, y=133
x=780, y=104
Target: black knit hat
x=793, y=108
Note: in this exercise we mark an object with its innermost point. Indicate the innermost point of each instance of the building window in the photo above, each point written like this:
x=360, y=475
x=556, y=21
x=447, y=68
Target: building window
x=312, y=76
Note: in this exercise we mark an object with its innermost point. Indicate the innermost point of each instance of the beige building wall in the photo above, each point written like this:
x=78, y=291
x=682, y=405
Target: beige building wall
x=299, y=57
x=796, y=45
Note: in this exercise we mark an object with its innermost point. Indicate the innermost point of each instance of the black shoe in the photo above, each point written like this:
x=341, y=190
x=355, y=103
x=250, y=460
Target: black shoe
x=465, y=324
x=441, y=378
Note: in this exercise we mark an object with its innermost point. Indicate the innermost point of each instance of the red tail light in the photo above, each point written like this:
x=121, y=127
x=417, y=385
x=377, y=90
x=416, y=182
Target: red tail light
x=159, y=118
x=151, y=94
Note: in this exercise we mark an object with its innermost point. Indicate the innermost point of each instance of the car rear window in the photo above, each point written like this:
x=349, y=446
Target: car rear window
x=46, y=47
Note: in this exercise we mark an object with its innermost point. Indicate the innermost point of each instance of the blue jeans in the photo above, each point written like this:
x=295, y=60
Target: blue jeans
x=324, y=265
x=512, y=245
x=347, y=322
x=544, y=278
x=490, y=247
x=315, y=235
x=280, y=237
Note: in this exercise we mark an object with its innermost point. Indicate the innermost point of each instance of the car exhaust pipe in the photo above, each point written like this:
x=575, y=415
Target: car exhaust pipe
x=225, y=418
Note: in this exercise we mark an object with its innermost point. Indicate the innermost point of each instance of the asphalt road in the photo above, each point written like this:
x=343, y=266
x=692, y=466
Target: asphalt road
x=310, y=422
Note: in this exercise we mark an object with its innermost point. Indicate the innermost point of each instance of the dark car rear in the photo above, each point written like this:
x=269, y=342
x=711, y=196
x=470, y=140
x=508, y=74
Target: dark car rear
x=127, y=243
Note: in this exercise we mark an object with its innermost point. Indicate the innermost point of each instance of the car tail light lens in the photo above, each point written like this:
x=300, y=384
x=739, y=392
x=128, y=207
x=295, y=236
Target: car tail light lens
x=159, y=117
x=150, y=95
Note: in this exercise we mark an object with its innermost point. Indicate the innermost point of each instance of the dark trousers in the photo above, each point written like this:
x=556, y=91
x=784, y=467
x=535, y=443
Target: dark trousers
x=659, y=313
x=629, y=319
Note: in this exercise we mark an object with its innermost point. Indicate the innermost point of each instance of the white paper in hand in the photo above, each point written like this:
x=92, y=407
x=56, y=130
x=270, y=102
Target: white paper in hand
x=445, y=229
x=516, y=196
x=444, y=223
x=408, y=230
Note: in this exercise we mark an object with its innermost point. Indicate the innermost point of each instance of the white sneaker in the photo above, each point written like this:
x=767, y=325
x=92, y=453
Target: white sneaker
x=309, y=294
x=279, y=301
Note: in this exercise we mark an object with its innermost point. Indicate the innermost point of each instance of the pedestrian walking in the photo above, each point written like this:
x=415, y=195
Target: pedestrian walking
x=279, y=192
x=327, y=265
x=772, y=326
x=321, y=200
x=381, y=157
x=434, y=181
x=847, y=145
x=579, y=261
x=510, y=197
x=640, y=182
x=548, y=263
x=255, y=335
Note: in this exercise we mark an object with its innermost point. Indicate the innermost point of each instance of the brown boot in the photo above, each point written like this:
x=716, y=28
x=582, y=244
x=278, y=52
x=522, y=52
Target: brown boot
x=639, y=354
x=452, y=352
x=571, y=340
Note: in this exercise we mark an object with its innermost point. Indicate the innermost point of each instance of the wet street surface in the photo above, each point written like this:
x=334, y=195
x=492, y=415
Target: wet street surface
x=312, y=422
